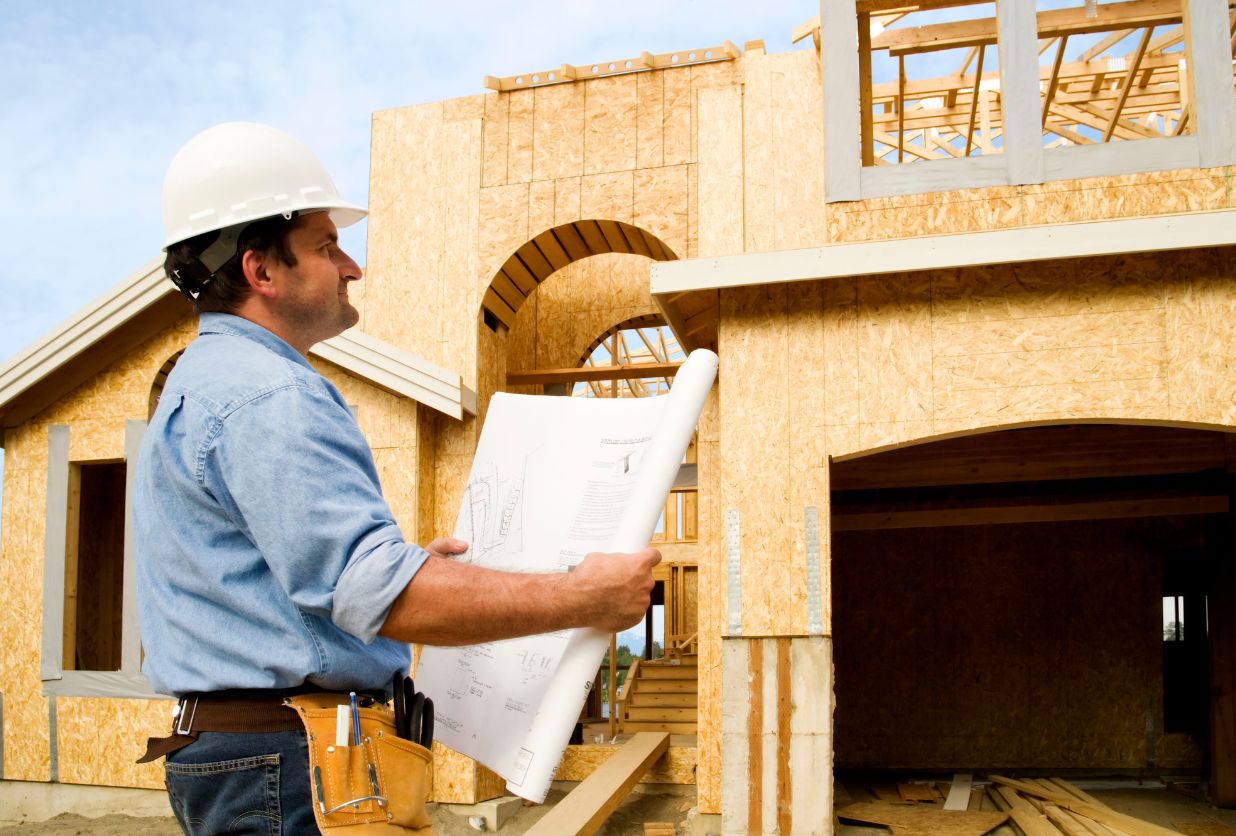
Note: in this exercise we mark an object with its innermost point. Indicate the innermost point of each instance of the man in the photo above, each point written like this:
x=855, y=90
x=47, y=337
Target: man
x=268, y=561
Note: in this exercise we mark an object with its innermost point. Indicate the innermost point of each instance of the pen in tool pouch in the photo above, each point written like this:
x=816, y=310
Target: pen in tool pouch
x=355, y=717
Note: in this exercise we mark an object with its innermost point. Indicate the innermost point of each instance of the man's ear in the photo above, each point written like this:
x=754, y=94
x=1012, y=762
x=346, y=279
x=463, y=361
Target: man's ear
x=254, y=264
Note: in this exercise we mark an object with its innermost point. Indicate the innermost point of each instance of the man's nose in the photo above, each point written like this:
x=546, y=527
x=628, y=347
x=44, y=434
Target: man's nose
x=348, y=268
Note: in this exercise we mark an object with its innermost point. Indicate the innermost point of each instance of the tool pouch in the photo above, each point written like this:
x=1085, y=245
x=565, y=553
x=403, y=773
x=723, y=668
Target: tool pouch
x=377, y=787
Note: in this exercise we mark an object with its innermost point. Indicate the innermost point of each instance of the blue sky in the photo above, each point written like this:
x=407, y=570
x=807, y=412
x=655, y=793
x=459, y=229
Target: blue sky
x=100, y=94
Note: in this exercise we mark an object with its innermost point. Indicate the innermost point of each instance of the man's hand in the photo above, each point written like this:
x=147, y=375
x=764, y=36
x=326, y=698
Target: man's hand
x=616, y=589
x=447, y=546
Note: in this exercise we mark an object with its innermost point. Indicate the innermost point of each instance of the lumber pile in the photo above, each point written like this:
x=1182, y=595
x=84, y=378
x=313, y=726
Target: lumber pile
x=1030, y=806
x=1053, y=806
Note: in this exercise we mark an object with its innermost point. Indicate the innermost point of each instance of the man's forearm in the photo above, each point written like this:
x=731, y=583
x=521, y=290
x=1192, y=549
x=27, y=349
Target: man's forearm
x=451, y=603
x=448, y=603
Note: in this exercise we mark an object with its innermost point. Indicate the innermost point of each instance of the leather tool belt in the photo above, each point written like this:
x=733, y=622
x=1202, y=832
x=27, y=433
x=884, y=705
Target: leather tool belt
x=377, y=786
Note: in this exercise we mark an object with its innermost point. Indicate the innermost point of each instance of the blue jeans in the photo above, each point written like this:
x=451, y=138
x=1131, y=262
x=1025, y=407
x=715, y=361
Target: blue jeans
x=242, y=783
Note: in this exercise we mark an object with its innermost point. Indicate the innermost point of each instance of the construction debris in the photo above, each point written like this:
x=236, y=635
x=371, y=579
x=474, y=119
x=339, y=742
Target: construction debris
x=1053, y=806
x=927, y=820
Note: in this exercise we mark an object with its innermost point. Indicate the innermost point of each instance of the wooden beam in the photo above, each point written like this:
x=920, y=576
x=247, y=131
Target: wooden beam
x=1055, y=78
x=884, y=7
x=864, y=85
x=974, y=99
x=587, y=806
x=1128, y=84
x=1135, y=14
x=1107, y=43
x=901, y=107
x=631, y=372
x=1016, y=514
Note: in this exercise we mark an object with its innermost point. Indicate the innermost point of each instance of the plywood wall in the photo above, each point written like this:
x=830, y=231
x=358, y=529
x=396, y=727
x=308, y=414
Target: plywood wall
x=98, y=740
x=890, y=359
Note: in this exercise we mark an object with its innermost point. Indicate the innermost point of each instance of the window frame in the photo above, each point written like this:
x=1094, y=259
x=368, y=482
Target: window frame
x=1024, y=160
x=127, y=682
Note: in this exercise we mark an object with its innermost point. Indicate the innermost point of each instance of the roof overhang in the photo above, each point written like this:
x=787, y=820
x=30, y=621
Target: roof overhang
x=119, y=320
x=675, y=280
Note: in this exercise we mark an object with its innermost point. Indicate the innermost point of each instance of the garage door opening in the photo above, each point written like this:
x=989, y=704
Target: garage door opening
x=1039, y=601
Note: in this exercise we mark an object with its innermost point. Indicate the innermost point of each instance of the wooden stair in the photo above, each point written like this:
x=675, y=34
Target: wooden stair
x=660, y=695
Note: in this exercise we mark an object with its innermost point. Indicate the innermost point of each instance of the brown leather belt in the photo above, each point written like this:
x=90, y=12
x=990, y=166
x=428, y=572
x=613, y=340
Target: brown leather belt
x=244, y=711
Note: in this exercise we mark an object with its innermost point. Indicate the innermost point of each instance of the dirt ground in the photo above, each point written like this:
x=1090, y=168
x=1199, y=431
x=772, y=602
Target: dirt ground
x=627, y=820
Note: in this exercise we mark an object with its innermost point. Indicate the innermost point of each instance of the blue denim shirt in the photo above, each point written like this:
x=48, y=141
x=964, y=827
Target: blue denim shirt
x=266, y=555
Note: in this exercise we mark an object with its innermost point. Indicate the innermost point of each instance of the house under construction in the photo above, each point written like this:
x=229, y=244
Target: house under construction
x=961, y=498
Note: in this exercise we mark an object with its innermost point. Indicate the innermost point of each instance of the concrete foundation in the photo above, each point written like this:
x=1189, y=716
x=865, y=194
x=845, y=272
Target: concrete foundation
x=31, y=801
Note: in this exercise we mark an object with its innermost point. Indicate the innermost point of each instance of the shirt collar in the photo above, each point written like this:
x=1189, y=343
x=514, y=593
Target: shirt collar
x=237, y=326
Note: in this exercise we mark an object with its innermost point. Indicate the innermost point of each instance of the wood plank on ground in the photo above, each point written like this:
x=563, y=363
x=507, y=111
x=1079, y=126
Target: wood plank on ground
x=922, y=819
x=585, y=808
x=959, y=792
x=1030, y=820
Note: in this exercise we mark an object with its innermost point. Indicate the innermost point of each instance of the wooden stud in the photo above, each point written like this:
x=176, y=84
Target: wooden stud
x=1128, y=84
x=864, y=85
x=974, y=100
x=1055, y=78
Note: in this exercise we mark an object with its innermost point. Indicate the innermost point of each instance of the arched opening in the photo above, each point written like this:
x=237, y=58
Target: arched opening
x=1052, y=600
x=553, y=250
x=156, y=387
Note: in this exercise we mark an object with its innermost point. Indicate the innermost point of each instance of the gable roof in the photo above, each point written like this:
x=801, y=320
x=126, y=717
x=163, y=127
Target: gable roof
x=117, y=321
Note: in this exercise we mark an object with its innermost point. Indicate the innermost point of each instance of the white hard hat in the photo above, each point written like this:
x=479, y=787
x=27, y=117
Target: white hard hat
x=239, y=172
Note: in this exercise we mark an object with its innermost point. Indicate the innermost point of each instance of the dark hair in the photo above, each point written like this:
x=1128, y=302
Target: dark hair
x=229, y=288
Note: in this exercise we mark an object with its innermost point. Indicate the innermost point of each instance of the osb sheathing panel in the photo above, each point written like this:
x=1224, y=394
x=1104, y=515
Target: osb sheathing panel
x=1065, y=201
x=423, y=229
x=558, y=143
x=99, y=740
x=650, y=120
x=21, y=539
x=783, y=152
x=519, y=136
x=676, y=766
x=1201, y=354
x=710, y=609
x=493, y=142
x=610, y=124
x=662, y=205
x=756, y=403
x=720, y=224
x=1003, y=646
x=95, y=413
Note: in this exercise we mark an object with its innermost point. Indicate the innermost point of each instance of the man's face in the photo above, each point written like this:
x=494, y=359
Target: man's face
x=313, y=295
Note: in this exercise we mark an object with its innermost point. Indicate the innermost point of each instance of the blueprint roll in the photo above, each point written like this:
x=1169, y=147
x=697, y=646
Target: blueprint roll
x=552, y=480
x=551, y=730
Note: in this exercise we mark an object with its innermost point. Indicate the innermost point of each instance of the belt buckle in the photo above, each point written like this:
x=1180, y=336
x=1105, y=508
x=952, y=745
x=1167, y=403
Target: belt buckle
x=183, y=725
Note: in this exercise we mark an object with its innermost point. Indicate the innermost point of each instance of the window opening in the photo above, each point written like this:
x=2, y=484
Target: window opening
x=929, y=84
x=94, y=567
x=1109, y=74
